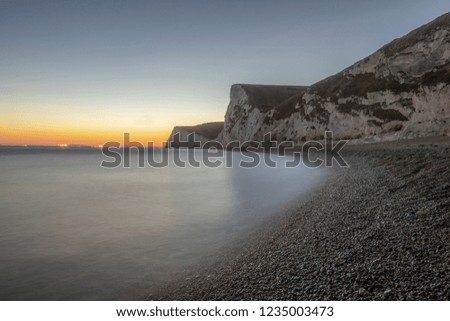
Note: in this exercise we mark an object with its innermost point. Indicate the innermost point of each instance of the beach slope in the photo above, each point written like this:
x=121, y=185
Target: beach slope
x=379, y=230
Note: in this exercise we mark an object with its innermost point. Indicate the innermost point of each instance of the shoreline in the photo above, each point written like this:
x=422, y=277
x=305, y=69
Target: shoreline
x=378, y=230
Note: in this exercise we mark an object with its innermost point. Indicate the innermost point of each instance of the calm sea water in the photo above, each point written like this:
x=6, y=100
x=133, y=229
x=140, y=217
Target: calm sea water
x=72, y=230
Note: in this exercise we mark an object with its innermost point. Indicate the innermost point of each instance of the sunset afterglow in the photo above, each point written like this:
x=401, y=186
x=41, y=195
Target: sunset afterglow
x=83, y=72
x=35, y=124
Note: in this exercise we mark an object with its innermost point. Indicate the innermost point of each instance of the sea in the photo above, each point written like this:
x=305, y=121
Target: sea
x=71, y=229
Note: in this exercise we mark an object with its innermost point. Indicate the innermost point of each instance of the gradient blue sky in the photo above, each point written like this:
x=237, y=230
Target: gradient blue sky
x=86, y=71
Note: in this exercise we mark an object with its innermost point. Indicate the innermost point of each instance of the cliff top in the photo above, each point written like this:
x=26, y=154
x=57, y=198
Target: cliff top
x=266, y=97
x=416, y=35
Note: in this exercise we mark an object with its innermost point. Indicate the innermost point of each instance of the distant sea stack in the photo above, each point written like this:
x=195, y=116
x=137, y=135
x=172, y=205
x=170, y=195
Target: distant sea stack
x=201, y=133
x=400, y=91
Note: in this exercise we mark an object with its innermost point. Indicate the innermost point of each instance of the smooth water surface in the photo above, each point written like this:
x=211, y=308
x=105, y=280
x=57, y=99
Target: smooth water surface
x=72, y=230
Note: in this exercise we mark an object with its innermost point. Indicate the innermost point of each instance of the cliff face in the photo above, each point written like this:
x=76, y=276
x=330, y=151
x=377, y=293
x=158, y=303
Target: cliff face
x=400, y=91
x=249, y=104
x=202, y=133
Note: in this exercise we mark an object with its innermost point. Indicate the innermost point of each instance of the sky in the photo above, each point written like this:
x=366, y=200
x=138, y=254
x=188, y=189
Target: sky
x=85, y=72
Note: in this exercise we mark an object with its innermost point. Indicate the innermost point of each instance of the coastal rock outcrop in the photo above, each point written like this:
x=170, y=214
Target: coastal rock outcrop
x=249, y=108
x=400, y=91
x=201, y=133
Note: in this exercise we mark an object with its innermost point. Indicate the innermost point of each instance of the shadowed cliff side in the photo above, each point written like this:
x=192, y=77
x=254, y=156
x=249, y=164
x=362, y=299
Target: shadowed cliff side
x=202, y=133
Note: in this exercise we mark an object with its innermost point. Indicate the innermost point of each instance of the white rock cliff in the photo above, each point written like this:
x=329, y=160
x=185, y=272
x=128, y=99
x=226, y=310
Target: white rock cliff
x=400, y=91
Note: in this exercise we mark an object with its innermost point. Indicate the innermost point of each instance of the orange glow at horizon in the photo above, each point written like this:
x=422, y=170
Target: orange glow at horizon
x=88, y=137
x=48, y=122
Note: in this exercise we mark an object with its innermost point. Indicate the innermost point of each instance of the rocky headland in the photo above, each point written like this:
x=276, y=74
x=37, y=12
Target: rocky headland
x=401, y=91
x=200, y=133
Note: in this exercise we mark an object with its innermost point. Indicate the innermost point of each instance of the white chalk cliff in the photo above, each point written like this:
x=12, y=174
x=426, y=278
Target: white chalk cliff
x=400, y=91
